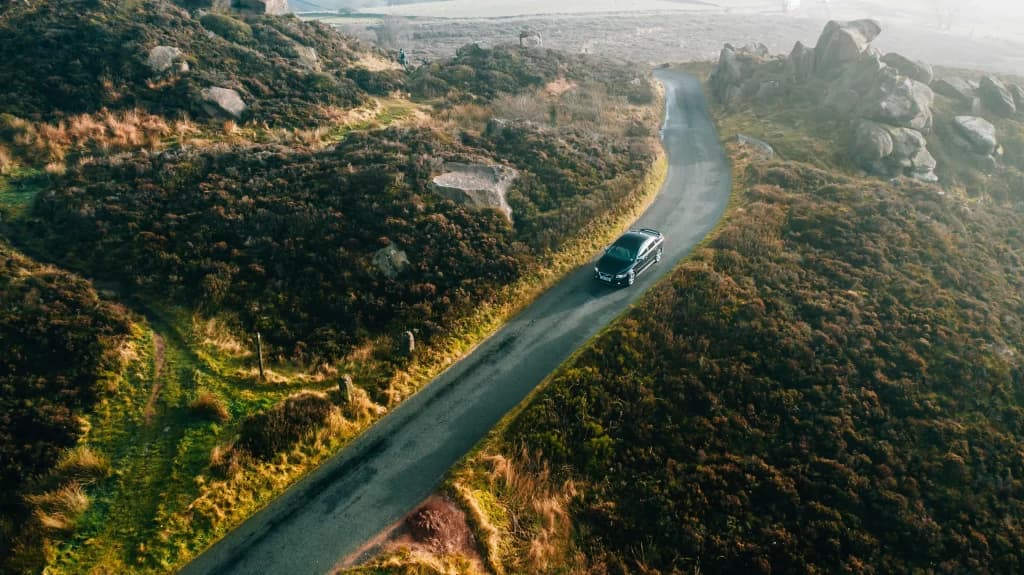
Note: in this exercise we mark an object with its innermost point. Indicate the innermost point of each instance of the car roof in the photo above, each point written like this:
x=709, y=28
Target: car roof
x=632, y=240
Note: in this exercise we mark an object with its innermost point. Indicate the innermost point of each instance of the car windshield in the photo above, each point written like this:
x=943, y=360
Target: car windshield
x=620, y=253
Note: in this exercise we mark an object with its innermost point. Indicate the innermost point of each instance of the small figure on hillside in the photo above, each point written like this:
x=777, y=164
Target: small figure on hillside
x=402, y=58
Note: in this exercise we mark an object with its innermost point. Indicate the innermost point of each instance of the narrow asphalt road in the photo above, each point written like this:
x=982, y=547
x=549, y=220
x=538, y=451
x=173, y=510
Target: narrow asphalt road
x=401, y=460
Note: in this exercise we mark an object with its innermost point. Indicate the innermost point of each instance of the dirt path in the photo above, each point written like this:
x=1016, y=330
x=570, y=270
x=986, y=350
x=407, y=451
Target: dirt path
x=159, y=347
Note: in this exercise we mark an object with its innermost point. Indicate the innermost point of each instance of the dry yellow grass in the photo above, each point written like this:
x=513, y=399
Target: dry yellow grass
x=6, y=160
x=59, y=510
x=103, y=131
x=82, y=465
x=214, y=333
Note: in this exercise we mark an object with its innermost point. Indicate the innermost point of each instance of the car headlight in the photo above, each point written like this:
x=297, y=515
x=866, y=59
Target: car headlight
x=596, y=271
x=620, y=276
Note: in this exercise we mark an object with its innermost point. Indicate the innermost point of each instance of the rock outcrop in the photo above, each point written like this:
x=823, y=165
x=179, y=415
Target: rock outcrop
x=1018, y=96
x=979, y=135
x=273, y=7
x=956, y=88
x=996, y=97
x=915, y=70
x=223, y=101
x=477, y=185
x=886, y=99
x=166, y=60
x=841, y=43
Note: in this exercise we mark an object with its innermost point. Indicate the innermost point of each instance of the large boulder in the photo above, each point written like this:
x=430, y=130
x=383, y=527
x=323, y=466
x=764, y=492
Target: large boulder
x=841, y=43
x=915, y=70
x=956, y=88
x=978, y=133
x=273, y=7
x=911, y=156
x=872, y=143
x=996, y=97
x=477, y=185
x=800, y=63
x=166, y=59
x=222, y=101
x=899, y=101
x=1018, y=95
x=732, y=78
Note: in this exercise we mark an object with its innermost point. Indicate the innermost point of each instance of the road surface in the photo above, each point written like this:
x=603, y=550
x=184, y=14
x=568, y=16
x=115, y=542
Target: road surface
x=396, y=464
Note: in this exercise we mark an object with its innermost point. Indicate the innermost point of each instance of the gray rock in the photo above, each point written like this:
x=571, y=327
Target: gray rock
x=979, y=133
x=391, y=261
x=1018, y=95
x=915, y=70
x=308, y=57
x=910, y=154
x=800, y=63
x=273, y=7
x=955, y=88
x=900, y=101
x=218, y=101
x=763, y=149
x=165, y=59
x=841, y=43
x=726, y=75
x=872, y=144
x=996, y=97
x=477, y=185
x=530, y=39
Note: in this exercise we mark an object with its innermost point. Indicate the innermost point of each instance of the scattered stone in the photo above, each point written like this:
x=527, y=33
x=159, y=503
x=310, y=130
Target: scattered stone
x=996, y=97
x=164, y=59
x=841, y=43
x=530, y=39
x=911, y=155
x=391, y=261
x=915, y=70
x=760, y=146
x=979, y=133
x=308, y=57
x=477, y=185
x=956, y=88
x=217, y=101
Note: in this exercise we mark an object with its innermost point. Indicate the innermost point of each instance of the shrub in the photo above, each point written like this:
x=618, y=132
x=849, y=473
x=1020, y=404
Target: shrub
x=282, y=426
x=227, y=27
x=209, y=406
x=226, y=462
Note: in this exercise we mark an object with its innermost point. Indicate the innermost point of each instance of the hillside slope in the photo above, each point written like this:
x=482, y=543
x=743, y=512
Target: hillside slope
x=833, y=384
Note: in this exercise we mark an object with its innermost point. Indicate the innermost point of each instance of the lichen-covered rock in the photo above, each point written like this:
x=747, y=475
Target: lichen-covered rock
x=996, y=97
x=800, y=63
x=841, y=43
x=166, y=59
x=220, y=101
x=1018, y=95
x=307, y=57
x=978, y=133
x=273, y=7
x=900, y=101
x=477, y=185
x=872, y=143
x=913, y=69
x=910, y=154
x=955, y=88
x=391, y=261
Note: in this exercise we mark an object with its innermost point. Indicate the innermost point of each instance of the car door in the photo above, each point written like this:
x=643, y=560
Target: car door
x=643, y=256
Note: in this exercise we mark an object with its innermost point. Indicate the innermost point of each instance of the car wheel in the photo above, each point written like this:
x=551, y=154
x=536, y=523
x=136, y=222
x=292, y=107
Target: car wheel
x=657, y=256
x=631, y=277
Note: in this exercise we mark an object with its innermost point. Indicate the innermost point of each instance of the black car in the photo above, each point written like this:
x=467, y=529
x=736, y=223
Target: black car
x=629, y=256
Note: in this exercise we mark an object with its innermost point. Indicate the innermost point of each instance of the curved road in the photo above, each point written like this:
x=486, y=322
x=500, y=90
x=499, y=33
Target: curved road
x=396, y=464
